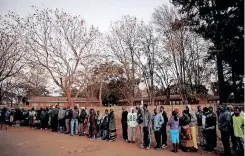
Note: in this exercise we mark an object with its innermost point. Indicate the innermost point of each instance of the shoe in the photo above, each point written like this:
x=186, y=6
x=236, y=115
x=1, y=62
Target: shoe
x=129, y=141
x=142, y=147
x=164, y=146
x=133, y=142
x=147, y=148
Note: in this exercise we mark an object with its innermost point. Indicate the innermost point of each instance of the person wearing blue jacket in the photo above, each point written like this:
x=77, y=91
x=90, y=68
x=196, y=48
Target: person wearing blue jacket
x=157, y=124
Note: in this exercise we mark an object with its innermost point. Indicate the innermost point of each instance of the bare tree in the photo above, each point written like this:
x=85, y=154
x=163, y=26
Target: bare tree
x=182, y=49
x=11, y=50
x=59, y=43
x=148, y=47
x=122, y=44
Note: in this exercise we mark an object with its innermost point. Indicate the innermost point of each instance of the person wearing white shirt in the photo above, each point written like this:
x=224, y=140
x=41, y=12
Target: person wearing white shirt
x=132, y=124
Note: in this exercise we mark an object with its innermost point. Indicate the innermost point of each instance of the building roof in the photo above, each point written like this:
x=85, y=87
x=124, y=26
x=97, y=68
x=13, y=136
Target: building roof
x=57, y=99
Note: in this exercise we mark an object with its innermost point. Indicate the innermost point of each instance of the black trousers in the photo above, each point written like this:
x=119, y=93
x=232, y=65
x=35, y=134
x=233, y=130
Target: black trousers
x=225, y=138
x=158, y=137
x=125, y=131
x=54, y=124
x=164, y=136
x=233, y=139
x=146, y=137
x=211, y=139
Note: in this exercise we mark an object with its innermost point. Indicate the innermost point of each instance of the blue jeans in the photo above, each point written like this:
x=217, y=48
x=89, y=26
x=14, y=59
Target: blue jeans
x=74, y=121
x=105, y=134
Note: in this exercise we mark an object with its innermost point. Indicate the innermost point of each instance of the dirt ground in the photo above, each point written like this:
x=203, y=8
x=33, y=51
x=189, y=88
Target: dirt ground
x=23, y=141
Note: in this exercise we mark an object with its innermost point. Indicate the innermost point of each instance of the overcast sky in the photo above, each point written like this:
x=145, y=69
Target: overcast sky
x=97, y=12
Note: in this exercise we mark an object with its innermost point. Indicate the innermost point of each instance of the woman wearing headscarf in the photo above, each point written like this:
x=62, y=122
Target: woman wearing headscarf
x=174, y=130
x=112, y=126
x=92, y=125
x=186, y=142
x=192, y=124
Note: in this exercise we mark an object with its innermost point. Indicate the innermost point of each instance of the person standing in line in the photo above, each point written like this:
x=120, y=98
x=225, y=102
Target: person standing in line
x=74, y=121
x=105, y=125
x=54, y=119
x=193, y=127
x=225, y=127
x=112, y=126
x=164, y=127
x=208, y=124
x=98, y=124
x=157, y=124
x=214, y=116
x=146, y=116
x=46, y=118
x=199, y=114
x=233, y=138
x=61, y=118
x=132, y=124
x=2, y=118
x=43, y=116
x=92, y=124
x=124, y=124
x=140, y=124
x=174, y=131
x=81, y=121
x=186, y=142
x=68, y=120
x=238, y=126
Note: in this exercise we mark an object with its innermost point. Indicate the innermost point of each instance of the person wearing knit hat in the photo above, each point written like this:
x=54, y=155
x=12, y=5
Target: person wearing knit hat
x=132, y=124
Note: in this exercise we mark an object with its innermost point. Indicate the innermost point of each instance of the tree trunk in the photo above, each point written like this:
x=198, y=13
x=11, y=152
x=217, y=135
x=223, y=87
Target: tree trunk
x=100, y=94
x=222, y=98
x=234, y=86
x=69, y=98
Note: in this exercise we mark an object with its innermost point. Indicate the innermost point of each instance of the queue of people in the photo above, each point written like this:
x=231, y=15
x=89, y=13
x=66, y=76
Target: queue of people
x=64, y=120
x=188, y=129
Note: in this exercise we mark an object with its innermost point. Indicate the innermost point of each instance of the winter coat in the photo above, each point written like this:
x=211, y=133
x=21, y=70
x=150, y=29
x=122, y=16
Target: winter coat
x=225, y=121
x=82, y=116
x=105, y=122
x=61, y=114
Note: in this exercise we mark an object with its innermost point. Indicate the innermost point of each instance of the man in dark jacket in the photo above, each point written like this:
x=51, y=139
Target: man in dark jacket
x=140, y=123
x=68, y=119
x=209, y=124
x=124, y=124
x=54, y=119
x=81, y=120
x=164, y=127
x=225, y=128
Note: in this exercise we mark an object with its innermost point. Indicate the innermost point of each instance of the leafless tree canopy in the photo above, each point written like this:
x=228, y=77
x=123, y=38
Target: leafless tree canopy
x=64, y=48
